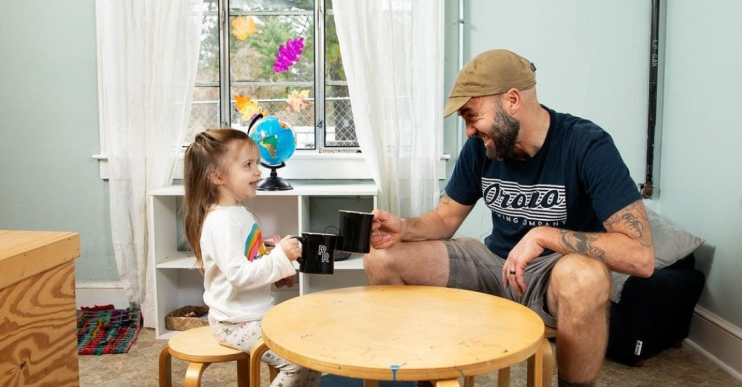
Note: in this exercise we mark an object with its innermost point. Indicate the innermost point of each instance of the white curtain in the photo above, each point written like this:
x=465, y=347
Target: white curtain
x=147, y=60
x=392, y=52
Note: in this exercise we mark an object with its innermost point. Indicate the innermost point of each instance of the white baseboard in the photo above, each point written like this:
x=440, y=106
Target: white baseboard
x=718, y=340
x=101, y=293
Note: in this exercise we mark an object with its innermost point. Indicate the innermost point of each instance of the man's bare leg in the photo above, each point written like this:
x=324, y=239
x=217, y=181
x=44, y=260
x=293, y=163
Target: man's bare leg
x=578, y=293
x=408, y=263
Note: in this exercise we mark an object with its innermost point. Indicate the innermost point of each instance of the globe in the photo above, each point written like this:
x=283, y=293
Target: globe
x=276, y=143
x=276, y=140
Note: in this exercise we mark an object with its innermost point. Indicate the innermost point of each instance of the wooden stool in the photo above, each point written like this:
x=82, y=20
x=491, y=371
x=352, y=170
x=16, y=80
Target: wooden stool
x=199, y=347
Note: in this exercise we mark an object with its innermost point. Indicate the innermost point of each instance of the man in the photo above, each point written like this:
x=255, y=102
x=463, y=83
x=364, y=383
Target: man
x=564, y=212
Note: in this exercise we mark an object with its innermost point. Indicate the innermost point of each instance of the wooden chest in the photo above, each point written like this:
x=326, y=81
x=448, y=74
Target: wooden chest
x=38, y=326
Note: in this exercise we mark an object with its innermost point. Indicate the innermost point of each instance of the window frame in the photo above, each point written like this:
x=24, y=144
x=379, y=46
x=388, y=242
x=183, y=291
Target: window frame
x=322, y=162
x=225, y=83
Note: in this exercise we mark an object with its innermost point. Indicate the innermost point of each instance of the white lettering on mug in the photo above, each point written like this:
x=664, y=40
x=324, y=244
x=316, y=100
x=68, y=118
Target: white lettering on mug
x=323, y=254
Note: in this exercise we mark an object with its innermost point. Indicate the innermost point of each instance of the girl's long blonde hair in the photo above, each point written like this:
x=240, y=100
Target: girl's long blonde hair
x=204, y=157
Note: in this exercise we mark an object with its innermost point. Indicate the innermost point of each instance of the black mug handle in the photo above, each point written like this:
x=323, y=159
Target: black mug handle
x=300, y=239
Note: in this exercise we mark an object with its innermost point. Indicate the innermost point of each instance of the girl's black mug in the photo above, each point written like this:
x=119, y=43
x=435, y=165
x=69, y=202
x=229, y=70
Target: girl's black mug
x=317, y=252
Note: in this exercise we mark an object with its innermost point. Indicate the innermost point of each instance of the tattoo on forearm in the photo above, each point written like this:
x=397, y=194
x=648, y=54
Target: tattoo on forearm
x=633, y=225
x=445, y=200
x=580, y=242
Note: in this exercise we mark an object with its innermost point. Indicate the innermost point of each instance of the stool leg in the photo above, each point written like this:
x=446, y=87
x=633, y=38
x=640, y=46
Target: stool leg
x=273, y=372
x=193, y=374
x=256, y=353
x=243, y=372
x=469, y=381
x=503, y=377
x=536, y=366
x=166, y=376
x=370, y=383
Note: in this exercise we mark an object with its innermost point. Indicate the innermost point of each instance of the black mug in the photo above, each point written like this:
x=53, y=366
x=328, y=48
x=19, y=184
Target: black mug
x=317, y=252
x=355, y=227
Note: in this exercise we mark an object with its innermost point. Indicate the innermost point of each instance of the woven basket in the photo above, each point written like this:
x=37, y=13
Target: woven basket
x=176, y=320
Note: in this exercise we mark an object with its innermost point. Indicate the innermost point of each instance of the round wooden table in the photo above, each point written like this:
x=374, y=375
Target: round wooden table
x=406, y=333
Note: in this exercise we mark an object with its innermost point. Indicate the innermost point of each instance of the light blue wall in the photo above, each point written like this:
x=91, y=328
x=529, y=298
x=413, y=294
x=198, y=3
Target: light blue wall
x=701, y=170
x=592, y=62
x=591, y=58
x=49, y=128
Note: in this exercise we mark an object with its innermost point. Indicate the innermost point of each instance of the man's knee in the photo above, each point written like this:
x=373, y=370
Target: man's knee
x=379, y=266
x=581, y=280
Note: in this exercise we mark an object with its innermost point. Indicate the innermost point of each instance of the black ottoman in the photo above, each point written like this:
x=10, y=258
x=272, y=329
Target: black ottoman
x=654, y=313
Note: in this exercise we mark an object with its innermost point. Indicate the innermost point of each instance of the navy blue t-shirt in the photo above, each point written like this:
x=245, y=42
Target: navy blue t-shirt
x=576, y=181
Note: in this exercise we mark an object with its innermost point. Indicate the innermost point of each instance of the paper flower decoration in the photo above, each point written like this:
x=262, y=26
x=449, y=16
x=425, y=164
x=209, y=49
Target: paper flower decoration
x=243, y=27
x=288, y=55
x=298, y=100
x=247, y=107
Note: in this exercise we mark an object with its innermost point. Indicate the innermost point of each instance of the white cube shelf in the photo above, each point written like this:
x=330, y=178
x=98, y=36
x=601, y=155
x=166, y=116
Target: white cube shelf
x=177, y=279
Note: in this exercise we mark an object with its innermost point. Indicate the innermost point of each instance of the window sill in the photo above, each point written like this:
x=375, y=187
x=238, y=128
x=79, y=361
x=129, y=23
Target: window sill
x=321, y=166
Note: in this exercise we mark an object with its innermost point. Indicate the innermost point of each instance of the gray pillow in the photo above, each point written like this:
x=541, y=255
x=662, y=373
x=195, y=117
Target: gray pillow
x=670, y=244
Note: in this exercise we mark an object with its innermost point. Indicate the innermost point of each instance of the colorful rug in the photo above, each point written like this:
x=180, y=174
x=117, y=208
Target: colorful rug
x=106, y=330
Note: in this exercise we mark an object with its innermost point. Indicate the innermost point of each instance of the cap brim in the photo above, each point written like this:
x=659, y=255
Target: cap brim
x=454, y=104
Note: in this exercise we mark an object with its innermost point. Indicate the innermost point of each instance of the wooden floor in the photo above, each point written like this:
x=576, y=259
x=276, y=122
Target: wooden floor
x=672, y=368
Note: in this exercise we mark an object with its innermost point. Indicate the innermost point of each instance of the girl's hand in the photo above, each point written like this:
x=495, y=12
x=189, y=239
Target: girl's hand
x=288, y=282
x=272, y=241
x=291, y=247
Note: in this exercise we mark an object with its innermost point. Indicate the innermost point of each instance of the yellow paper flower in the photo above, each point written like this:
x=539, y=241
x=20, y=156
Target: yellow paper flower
x=247, y=107
x=243, y=27
x=298, y=100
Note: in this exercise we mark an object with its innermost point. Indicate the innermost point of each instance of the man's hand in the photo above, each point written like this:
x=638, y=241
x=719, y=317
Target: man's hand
x=288, y=282
x=386, y=230
x=520, y=256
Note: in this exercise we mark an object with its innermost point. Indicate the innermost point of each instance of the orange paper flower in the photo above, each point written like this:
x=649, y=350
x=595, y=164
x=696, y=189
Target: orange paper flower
x=298, y=100
x=243, y=27
x=248, y=107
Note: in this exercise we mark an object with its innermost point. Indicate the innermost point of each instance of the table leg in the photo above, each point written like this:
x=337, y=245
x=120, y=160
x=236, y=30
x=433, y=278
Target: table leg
x=548, y=363
x=469, y=381
x=447, y=383
x=503, y=377
x=370, y=383
x=537, y=366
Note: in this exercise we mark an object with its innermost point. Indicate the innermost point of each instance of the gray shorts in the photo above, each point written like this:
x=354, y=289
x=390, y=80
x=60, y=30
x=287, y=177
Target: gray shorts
x=474, y=267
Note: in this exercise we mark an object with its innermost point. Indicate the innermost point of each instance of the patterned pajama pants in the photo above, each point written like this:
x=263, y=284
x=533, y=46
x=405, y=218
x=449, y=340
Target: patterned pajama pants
x=242, y=336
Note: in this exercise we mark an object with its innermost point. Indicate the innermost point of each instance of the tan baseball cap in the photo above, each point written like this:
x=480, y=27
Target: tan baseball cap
x=491, y=72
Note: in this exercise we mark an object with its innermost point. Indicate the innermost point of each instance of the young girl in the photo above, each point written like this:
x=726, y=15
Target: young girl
x=221, y=171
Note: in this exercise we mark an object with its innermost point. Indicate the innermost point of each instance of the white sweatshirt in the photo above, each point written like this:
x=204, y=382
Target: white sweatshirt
x=237, y=278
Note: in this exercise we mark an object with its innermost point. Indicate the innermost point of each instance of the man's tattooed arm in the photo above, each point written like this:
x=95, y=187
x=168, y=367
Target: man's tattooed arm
x=580, y=242
x=632, y=221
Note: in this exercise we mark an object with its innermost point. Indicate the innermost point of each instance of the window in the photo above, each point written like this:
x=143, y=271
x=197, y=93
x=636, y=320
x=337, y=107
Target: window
x=239, y=44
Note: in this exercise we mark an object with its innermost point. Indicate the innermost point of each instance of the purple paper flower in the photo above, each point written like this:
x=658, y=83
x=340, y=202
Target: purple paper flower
x=288, y=55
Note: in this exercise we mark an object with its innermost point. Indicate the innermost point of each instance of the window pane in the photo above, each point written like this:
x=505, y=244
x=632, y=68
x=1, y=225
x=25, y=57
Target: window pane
x=340, y=130
x=204, y=111
x=252, y=59
x=272, y=99
x=205, y=104
x=270, y=5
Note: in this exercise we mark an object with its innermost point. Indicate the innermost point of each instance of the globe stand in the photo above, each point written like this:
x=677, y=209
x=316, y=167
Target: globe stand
x=273, y=182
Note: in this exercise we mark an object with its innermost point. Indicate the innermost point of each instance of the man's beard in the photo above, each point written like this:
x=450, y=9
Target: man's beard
x=504, y=133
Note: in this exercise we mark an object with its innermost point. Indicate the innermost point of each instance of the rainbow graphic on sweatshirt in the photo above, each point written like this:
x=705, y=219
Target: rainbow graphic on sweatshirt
x=254, y=244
